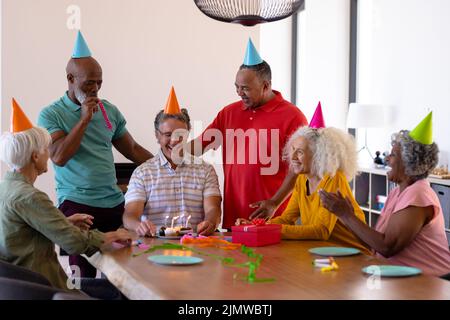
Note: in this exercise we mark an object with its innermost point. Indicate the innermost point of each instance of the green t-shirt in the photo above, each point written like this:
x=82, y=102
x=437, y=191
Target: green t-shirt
x=89, y=177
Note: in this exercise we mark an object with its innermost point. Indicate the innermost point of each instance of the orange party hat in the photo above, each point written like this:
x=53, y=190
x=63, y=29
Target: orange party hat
x=172, y=106
x=19, y=120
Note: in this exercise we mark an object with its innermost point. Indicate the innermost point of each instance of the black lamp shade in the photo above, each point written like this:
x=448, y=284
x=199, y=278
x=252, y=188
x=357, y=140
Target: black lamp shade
x=249, y=12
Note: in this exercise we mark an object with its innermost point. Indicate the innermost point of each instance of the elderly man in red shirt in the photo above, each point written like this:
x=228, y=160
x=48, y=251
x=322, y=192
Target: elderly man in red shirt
x=252, y=133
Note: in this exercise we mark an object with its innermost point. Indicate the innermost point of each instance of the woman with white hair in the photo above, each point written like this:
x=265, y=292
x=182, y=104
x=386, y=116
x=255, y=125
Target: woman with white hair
x=30, y=224
x=410, y=230
x=323, y=159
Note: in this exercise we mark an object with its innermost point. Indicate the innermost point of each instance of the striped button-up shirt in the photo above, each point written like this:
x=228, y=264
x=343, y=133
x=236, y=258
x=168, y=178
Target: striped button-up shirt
x=169, y=192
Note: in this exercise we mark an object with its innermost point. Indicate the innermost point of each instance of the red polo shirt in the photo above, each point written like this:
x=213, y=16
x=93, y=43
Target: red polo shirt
x=252, y=146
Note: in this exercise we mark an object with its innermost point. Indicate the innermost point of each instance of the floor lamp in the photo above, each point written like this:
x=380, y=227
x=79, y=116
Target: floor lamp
x=364, y=116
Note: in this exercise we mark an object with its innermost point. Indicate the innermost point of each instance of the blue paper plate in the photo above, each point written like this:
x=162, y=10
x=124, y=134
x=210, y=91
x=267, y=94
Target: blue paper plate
x=391, y=271
x=175, y=260
x=334, y=251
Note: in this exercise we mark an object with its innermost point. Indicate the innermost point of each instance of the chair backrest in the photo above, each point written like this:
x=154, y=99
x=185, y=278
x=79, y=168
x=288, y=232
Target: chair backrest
x=71, y=296
x=13, y=289
x=11, y=271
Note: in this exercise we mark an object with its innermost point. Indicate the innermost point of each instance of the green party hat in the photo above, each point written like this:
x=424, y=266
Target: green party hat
x=423, y=133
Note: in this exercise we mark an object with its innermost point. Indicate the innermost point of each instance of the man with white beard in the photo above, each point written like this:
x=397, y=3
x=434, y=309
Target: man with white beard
x=83, y=129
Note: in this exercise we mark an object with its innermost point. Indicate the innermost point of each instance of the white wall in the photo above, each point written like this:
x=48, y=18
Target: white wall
x=323, y=59
x=404, y=63
x=276, y=49
x=143, y=46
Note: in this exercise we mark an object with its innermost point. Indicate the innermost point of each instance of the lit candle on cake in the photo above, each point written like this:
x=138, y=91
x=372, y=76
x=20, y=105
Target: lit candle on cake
x=181, y=219
x=165, y=221
x=187, y=221
x=173, y=220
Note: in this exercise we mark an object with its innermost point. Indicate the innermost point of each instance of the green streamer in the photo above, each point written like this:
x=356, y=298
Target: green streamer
x=250, y=253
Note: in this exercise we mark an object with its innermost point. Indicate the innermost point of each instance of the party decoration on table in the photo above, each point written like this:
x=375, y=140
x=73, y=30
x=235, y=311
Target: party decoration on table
x=259, y=222
x=391, y=271
x=325, y=265
x=423, y=133
x=140, y=244
x=317, y=121
x=202, y=241
x=105, y=116
x=253, y=263
x=257, y=234
x=175, y=260
x=334, y=251
x=19, y=120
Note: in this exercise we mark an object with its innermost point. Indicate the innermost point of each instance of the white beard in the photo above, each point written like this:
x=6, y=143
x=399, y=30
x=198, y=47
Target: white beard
x=81, y=96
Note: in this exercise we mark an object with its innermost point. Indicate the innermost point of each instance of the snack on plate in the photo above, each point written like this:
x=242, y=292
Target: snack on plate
x=174, y=232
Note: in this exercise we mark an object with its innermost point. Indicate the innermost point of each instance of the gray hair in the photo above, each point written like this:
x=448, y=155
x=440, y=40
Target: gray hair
x=262, y=70
x=332, y=150
x=418, y=159
x=183, y=117
x=16, y=148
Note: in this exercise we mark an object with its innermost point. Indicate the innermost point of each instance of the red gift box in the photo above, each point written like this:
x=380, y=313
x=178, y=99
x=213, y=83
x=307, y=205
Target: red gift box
x=256, y=236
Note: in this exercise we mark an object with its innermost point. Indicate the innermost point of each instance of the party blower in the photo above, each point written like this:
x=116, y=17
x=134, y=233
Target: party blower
x=105, y=116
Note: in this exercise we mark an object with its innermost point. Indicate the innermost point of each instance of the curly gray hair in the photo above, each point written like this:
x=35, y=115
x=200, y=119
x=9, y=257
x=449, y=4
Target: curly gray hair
x=332, y=150
x=419, y=159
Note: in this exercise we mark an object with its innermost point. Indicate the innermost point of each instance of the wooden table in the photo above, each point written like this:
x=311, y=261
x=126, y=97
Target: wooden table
x=288, y=262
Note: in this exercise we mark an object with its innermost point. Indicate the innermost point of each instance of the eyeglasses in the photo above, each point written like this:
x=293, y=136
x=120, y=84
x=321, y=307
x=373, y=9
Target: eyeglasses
x=167, y=135
x=177, y=132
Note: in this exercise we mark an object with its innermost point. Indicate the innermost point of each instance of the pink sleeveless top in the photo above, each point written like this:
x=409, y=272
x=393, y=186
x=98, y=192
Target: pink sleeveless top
x=429, y=250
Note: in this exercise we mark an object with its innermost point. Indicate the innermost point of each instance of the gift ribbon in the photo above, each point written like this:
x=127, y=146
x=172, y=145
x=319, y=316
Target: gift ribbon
x=259, y=222
x=255, y=223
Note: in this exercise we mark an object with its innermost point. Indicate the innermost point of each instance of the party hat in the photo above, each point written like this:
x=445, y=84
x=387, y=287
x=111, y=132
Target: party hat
x=252, y=56
x=317, y=120
x=423, y=133
x=19, y=121
x=81, y=49
x=172, y=106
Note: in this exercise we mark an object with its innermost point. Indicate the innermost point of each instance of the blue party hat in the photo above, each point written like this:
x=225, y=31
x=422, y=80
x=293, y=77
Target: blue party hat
x=252, y=56
x=81, y=49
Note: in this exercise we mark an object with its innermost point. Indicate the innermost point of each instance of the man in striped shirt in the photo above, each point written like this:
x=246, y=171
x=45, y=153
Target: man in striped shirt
x=163, y=188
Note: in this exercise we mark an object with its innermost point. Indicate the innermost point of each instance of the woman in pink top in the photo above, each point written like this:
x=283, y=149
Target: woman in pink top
x=410, y=230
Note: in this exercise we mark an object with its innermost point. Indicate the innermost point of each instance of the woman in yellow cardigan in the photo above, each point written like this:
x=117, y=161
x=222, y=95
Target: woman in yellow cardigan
x=323, y=159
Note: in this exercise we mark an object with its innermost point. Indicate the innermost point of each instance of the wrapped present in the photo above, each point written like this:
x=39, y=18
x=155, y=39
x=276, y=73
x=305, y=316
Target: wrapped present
x=257, y=234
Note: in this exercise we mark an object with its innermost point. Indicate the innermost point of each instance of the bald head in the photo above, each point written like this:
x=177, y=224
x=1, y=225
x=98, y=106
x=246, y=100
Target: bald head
x=83, y=66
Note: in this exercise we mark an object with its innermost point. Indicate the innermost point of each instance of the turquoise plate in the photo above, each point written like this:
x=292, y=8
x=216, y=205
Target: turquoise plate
x=391, y=271
x=175, y=260
x=334, y=251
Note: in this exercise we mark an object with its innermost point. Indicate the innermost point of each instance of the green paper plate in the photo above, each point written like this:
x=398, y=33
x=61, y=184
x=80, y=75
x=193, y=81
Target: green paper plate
x=175, y=260
x=391, y=271
x=334, y=251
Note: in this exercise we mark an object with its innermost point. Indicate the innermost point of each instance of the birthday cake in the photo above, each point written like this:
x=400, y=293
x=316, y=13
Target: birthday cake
x=174, y=232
